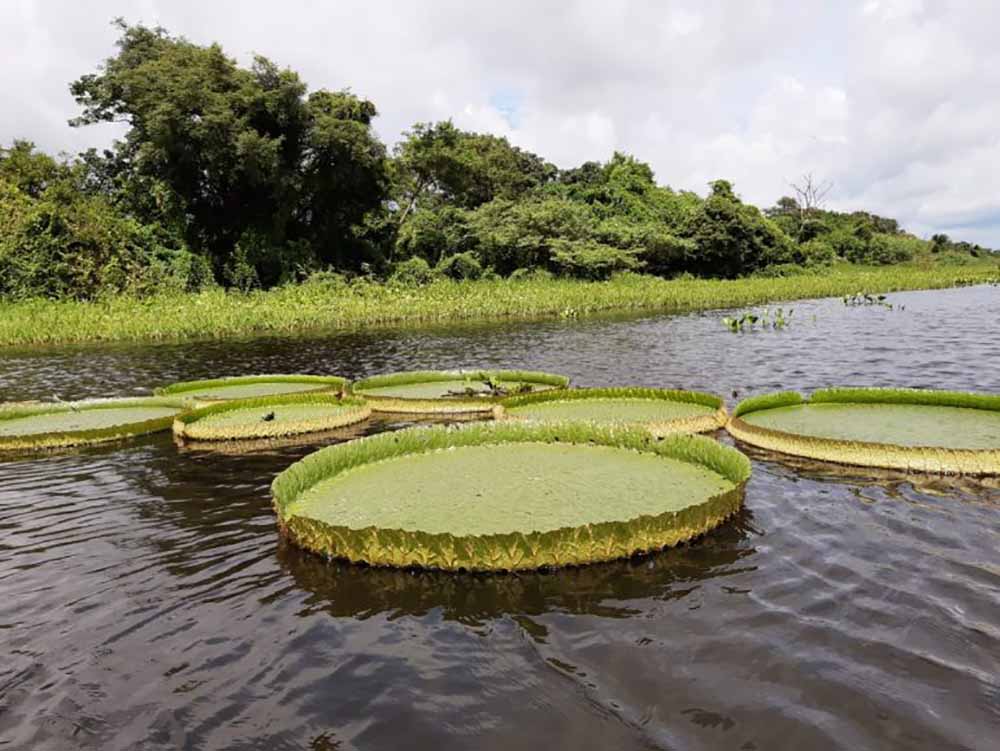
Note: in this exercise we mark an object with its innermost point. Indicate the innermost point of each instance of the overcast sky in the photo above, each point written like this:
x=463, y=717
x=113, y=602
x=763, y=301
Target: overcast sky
x=895, y=101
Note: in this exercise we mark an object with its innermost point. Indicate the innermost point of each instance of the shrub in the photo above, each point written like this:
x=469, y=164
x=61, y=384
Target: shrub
x=731, y=238
x=529, y=275
x=818, y=252
x=587, y=259
x=326, y=279
x=461, y=266
x=883, y=250
x=779, y=270
x=413, y=272
x=66, y=244
x=239, y=273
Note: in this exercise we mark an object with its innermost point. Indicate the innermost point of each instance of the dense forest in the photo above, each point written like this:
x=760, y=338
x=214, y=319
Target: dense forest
x=244, y=178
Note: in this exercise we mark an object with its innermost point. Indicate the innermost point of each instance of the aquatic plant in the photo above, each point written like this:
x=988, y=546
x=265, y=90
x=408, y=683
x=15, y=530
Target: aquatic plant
x=245, y=387
x=777, y=319
x=373, y=500
x=26, y=426
x=947, y=432
x=270, y=417
x=863, y=298
x=661, y=411
x=451, y=391
x=214, y=314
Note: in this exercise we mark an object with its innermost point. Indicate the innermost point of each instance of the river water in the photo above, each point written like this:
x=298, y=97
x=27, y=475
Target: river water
x=146, y=601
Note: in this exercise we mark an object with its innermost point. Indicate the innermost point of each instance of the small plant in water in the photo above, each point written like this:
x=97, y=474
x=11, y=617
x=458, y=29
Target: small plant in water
x=750, y=321
x=863, y=298
x=494, y=388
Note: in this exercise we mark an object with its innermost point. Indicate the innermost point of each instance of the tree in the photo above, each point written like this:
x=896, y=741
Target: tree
x=237, y=157
x=58, y=241
x=440, y=164
x=811, y=197
x=731, y=238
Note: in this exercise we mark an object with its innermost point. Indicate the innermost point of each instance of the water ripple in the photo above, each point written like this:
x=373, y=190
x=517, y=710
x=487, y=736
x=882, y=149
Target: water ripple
x=148, y=602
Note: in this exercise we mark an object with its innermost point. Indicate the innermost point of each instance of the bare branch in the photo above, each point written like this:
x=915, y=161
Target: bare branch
x=810, y=192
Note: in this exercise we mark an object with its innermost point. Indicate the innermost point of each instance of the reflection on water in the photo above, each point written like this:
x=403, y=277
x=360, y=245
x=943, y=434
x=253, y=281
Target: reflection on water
x=148, y=602
x=604, y=590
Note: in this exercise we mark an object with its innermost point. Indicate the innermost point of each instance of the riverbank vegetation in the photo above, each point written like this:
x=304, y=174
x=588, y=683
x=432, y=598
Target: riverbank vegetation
x=240, y=202
x=330, y=302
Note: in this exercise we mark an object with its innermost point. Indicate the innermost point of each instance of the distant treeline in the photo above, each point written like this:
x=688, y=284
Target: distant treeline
x=244, y=178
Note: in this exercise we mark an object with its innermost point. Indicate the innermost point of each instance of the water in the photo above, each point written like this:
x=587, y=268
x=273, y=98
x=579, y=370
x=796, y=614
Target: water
x=148, y=603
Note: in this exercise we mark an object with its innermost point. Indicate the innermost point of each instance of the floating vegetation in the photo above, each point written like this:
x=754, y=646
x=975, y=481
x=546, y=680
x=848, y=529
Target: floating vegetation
x=451, y=391
x=507, y=496
x=947, y=432
x=27, y=426
x=661, y=411
x=270, y=417
x=253, y=386
x=864, y=299
x=766, y=319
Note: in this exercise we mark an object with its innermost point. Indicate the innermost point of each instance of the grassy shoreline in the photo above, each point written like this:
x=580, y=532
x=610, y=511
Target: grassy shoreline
x=315, y=307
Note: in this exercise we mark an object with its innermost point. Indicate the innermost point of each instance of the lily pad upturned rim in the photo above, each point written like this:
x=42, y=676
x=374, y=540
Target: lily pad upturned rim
x=189, y=389
x=66, y=438
x=659, y=428
x=185, y=425
x=934, y=459
x=412, y=405
x=585, y=544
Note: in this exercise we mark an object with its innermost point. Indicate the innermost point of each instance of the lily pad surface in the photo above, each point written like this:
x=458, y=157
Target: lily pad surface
x=507, y=496
x=939, y=431
x=661, y=411
x=454, y=391
x=247, y=387
x=68, y=424
x=270, y=417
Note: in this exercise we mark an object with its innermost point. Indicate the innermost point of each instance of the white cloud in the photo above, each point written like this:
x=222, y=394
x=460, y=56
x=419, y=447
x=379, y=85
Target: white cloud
x=891, y=99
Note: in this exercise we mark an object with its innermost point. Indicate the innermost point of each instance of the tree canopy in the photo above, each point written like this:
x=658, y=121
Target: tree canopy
x=245, y=163
x=243, y=176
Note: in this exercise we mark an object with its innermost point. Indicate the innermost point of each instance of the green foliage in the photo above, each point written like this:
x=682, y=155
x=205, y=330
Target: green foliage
x=439, y=165
x=334, y=303
x=242, y=175
x=413, y=272
x=509, y=235
x=587, y=259
x=766, y=319
x=817, y=253
x=460, y=266
x=233, y=152
x=531, y=275
x=433, y=233
x=59, y=242
x=731, y=238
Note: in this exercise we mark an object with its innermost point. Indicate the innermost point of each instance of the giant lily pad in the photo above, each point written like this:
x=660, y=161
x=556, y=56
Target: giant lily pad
x=35, y=426
x=250, y=387
x=661, y=411
x=507, y=495
x=270, y=417
x=930, y=431
x=451, y=391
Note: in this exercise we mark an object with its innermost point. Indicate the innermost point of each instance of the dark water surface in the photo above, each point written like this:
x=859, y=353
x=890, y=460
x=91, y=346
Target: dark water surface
x=146, y=601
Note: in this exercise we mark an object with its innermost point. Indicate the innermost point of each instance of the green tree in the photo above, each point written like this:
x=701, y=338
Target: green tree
x=57, y=241
x=439, y=164
x=731, y=238
x=237, y=157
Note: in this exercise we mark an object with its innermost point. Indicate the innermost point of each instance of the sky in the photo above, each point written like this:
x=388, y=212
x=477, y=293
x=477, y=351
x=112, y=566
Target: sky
x=893, y=101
